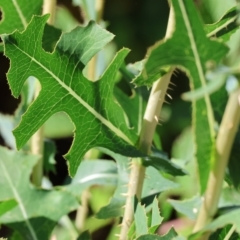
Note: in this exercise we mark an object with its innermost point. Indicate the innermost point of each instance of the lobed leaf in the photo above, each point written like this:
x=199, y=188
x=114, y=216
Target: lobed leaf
x=38, y=210
x=98, y=119
x=190, y=49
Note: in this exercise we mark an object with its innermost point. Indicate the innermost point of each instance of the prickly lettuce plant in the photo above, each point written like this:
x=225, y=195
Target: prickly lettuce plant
x=64, y=79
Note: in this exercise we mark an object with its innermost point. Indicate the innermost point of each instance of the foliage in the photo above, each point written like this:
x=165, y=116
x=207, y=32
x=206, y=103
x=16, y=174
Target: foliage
x=89, y=91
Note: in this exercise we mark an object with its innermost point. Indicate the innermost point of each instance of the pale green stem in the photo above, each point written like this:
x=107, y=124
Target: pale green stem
x=66, y=222
x=37, y=138
x=231, y=231
x=150, y=122
x=49, y=6
x=99, y=4
x=225, y=139
x=82, y=211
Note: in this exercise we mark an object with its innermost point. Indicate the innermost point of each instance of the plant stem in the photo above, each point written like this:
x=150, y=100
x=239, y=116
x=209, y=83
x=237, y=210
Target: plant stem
x=82, y=211
x=150, y=122
x=49, y=6
x=231, y=231
x=37, y=138
x=225, y=139
x=99, y=5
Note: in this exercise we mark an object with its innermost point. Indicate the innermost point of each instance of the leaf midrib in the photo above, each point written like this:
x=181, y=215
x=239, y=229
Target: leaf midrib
x=19, y=200
x=21, y=15
x=97, y=176
x=80, y=100
x=216, y=30
x=198, y=64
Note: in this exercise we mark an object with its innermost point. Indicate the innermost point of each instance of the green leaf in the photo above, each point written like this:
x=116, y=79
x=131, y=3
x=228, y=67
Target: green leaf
x=155, y=183
x=140, y=219
x=17, y=14
x=7, y=205
x=98, y=120
x=225, y=27
x=183, y=147
x=133, y=106
x=230, y=197
x=156, y=219
x=93, y=172
x=232, y=218
x=164, y=165
x=169, y=236
x=115, y=206
x=220, y=234
x=38, y=210
x=189, y=207
x=191, y=50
